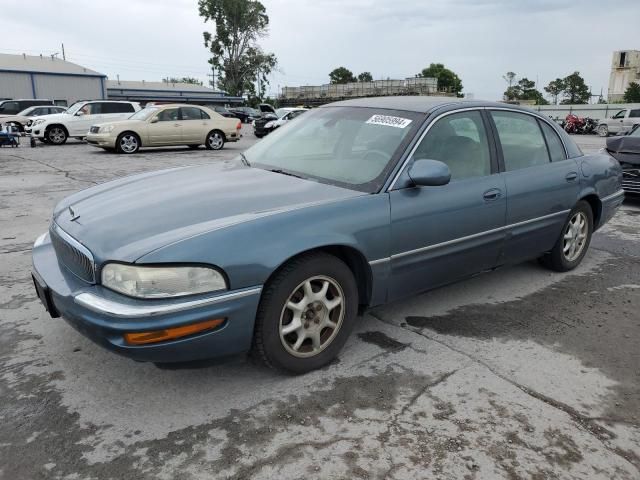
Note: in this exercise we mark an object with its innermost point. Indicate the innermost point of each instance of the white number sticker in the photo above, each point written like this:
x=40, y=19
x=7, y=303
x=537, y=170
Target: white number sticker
x=389, y=121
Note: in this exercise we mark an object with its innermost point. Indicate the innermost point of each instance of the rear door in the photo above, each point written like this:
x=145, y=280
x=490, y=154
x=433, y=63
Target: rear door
x=113, y=112
x=166, y=128
x=542, y=183
x=194, y=125
x=442, y=234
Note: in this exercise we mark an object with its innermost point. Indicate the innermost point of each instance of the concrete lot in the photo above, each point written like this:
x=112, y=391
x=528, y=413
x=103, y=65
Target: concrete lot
x=521, y=373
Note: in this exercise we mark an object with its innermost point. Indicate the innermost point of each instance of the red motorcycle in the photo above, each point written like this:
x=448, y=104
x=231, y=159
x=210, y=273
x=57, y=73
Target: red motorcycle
x=574, y=124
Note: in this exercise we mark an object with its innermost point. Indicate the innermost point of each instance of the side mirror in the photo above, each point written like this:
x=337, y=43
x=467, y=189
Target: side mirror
x=429, y=173
x=154, y=120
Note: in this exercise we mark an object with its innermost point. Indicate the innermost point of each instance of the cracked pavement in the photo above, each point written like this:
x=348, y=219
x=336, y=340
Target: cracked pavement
x=517, y=374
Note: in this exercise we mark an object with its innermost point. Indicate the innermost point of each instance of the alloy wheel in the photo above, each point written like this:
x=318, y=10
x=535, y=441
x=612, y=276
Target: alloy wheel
x=575, y=236
x=129, y=143
x=312, y=316
x=57, y=135
x=216, y=141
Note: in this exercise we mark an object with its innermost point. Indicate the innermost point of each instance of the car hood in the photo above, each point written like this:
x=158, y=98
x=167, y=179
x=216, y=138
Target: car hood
x=624, y=144
x=13, y=118
x=54, y=117
x=130, y=217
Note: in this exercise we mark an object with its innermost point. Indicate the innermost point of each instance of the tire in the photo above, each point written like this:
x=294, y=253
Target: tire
x=603, y=131
x=56, y=135
x=44, y=140
x=128, y=143
x=258, y=135
x=215, y=140
x=193, y=147
x=559, y=258
x=314, y=342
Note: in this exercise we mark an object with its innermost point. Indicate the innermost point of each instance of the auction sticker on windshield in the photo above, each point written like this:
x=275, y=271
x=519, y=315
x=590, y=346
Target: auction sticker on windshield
x=389, y=121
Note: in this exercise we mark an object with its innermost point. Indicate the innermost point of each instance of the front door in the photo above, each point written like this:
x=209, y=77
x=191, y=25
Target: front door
x=90, y=114
x=441, y=234
x=167, y=130
x=542, y=183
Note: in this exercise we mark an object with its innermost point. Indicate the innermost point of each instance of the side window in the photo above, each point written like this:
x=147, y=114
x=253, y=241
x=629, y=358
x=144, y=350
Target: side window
x=117, y=108
x=556, y=149
x=192, y=113
x=10, y=108
x=634, y=113
x=168, y=115
x=460, y=141
x=96, y=108
x=521, y=138
x=620, y=114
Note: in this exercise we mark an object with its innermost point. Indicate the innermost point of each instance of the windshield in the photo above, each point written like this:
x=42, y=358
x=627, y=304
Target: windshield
x=74, y=108
x=635, y=132
x=350, y=147
x=26, y=112
x=144, y=113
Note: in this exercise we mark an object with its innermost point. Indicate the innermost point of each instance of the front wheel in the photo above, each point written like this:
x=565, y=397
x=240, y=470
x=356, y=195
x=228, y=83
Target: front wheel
x=128, y=143
x=56, y=135
x=574, y=240
x=306, y=313
x=215, y=140
x=603, y=131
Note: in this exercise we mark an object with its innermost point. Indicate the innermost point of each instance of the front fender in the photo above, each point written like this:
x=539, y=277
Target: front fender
x=250, y=252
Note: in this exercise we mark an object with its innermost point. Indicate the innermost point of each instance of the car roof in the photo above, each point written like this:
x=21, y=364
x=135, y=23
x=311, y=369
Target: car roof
x=419, y=104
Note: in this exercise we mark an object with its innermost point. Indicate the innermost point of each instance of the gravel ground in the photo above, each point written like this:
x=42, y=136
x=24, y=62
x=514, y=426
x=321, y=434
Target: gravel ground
x=521, y=373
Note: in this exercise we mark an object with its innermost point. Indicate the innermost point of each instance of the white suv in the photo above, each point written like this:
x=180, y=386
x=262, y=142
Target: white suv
x=77, y=120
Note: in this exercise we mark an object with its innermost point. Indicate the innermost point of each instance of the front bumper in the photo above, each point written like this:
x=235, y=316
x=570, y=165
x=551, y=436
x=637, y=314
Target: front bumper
x=105, y=316
x=35, y=131
x=631, y=179
x=103, y=140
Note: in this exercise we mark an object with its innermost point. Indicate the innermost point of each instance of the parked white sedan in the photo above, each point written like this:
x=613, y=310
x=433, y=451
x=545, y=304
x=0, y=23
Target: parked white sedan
x=166, y=125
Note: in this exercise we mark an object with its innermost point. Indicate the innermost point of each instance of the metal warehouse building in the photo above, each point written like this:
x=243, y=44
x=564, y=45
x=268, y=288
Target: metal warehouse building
x=26, y=76
x=144, y=92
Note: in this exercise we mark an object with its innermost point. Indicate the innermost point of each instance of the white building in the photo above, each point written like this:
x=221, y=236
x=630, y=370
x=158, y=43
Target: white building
x=625, y=68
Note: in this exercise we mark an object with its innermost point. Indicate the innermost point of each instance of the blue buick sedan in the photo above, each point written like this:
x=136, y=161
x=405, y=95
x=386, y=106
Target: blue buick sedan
x=352, y=205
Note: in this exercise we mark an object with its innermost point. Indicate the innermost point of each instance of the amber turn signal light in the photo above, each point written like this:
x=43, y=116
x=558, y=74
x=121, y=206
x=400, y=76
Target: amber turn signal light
x=143, y=338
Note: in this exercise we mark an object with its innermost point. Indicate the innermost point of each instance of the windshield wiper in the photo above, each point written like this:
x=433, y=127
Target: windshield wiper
x=283, y=172
x=244, y=159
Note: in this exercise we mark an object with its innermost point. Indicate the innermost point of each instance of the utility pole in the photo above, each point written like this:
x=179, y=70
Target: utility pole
x=64, y=57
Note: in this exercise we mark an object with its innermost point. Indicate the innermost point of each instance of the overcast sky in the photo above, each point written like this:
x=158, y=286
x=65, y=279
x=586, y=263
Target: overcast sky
x=478, y=39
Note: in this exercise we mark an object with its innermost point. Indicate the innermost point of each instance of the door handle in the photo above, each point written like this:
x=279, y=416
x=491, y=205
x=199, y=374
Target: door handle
x=571, y=176
x=492, y=194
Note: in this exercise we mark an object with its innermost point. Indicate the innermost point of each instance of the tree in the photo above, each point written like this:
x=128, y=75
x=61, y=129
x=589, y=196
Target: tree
x=575, y=90
x=365, y=77
x=525, y=89
x=632, y=93
x=555, y=88
x=237, y=58
x=341, y=75
x=509, y=77
x=447, y=79
x=191, y=80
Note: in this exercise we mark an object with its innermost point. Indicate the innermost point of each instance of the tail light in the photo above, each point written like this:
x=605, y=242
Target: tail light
x=239, y=126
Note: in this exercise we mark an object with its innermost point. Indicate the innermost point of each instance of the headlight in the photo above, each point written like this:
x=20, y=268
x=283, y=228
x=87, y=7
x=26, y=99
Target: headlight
x=38, y=121
x=107, y=128
x=269, y=124
x=161, y=282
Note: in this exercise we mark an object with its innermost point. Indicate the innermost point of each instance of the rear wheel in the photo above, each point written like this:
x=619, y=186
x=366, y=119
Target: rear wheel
x=128, y=143
x=306, y=313
x=603, y=130
x=56, y=135
x=215, y=140
x=574, y=240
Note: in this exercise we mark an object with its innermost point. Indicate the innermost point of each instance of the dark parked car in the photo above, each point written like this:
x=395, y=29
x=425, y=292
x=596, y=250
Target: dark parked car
x=245, y=114
x=353, y=205
x=225, y=112
x=626, y=149
x=13, y=107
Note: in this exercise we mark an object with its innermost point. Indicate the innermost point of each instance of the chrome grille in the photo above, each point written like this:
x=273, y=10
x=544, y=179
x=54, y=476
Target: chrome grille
x=94, y=129
x=631, y=180
x=71, y=254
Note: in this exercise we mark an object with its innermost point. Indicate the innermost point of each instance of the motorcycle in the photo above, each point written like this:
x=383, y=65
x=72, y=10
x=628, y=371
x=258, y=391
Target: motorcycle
x=579, y=126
